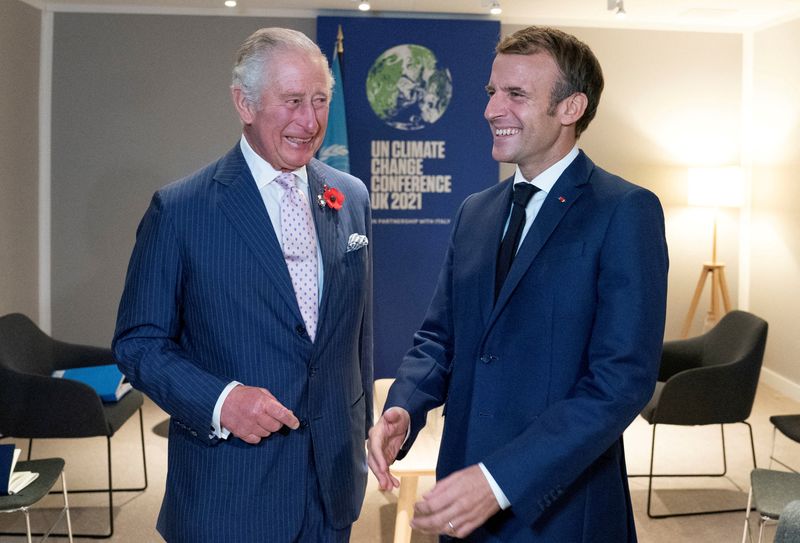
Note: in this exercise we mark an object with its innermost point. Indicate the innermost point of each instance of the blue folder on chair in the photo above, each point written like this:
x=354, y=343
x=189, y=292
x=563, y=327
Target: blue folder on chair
x=107, y=380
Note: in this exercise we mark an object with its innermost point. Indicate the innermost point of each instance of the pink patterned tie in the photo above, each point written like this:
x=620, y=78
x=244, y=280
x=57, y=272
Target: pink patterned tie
x=300, y=249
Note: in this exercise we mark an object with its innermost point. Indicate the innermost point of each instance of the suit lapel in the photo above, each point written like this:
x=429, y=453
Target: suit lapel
x=329, y=235
x=491, y=223
x=565, y=192
x=242, y=204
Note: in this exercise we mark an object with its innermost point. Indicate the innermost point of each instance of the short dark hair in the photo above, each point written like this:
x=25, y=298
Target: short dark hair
x=580, y=69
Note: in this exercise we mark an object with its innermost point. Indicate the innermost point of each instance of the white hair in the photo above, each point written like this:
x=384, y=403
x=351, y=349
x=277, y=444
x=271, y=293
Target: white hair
x=257, y=52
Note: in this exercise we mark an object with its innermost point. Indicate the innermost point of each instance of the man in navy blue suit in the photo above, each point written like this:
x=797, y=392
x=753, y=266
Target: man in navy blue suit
x=542, y=350
x=247, y=316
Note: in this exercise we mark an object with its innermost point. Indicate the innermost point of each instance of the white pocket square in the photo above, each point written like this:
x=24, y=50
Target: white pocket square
x=356, y=242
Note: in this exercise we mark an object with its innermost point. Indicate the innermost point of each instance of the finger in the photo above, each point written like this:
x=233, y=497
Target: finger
x=430, y=520
x=378, y=449
x=267, y=393
x=252, y=439
x=282, y=414
x=377, y=444
x=266, y=423
x=378, y=466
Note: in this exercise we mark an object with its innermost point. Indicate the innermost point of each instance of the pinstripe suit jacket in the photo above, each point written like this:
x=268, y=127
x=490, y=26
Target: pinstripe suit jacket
x=208, y=299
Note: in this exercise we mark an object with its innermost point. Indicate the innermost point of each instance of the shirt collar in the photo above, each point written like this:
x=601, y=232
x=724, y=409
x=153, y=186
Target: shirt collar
x=262, y=171
x=545, y=180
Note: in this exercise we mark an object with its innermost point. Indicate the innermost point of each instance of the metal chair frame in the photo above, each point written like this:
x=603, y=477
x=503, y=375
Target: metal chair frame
x=110, y=489
x=63, y=513
x=772, y=451
x=762, y=521
x=770, y=516
x=650, y=476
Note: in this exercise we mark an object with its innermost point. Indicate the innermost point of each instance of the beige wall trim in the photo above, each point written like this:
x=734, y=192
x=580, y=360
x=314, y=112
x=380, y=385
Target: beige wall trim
x=781, y=384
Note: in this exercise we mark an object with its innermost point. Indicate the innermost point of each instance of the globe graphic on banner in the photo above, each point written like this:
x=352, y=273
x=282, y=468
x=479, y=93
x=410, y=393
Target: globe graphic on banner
x=405, y=88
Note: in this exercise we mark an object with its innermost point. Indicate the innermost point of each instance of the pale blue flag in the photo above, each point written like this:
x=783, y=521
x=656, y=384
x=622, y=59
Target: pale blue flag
x=334, y=150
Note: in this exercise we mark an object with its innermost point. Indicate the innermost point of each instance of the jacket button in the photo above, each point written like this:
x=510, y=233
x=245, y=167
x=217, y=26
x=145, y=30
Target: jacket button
x=303, y=423
x=312, y=370
x=300, y=329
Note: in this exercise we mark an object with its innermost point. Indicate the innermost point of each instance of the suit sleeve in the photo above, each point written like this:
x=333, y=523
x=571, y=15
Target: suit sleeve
x=366, y=337
x=623, y=355
x=147, y=338
x=422, y=380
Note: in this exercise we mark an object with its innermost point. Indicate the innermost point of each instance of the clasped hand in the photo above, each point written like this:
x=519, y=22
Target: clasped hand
x=252, y=413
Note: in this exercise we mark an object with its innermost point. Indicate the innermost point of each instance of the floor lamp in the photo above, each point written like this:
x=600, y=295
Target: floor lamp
x=713, y=188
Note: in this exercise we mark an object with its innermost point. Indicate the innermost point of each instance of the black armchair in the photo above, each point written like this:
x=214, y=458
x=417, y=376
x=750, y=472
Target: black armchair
x=709, y=379
x=34, y=405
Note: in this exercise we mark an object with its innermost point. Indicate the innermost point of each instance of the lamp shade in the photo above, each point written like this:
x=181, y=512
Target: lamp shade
x=716, y=187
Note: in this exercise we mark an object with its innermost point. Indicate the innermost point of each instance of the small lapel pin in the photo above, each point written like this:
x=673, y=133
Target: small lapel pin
x=562, y=199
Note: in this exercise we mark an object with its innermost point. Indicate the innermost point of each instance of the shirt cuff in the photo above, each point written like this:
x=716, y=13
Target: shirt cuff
x=496, y=490
x=216, y=426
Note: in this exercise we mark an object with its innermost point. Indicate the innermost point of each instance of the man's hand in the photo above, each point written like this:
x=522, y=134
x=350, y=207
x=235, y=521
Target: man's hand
x=457, y=504
x=385, y=439
x=252, y=414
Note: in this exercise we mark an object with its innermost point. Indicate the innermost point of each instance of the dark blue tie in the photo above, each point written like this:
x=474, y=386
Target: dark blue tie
x=523, y=192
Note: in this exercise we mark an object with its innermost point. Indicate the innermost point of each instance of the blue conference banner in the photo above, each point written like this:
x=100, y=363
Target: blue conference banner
x=414, y=92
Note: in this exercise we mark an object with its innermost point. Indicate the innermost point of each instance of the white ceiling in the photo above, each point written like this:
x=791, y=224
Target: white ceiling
x=704, y=15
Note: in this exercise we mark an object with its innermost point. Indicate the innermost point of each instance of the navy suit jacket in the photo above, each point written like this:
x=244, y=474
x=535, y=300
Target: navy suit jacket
x=540, y=385
x=208, y=299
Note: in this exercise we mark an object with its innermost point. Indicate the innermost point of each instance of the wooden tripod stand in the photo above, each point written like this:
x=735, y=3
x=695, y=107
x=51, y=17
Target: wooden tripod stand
x=719, y=287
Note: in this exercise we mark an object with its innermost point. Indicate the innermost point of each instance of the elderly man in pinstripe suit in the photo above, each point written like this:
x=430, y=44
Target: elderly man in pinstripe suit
x=246, y=315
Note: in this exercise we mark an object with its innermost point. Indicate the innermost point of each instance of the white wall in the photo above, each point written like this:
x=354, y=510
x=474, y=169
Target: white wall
x=775, y=284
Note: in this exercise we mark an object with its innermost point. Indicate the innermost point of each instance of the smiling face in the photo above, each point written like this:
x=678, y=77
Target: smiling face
x=288, y=125
x=527, y=129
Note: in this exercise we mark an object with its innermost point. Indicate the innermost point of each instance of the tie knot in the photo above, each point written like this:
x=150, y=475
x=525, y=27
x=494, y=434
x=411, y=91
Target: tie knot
x=286, y=180
x=523, y=192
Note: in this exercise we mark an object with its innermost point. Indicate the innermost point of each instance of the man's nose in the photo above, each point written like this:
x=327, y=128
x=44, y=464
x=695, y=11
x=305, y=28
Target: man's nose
x=494, y=107
x=307, y=117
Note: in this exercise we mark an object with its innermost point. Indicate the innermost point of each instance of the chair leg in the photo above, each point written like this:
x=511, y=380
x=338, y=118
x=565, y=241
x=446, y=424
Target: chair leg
x=650, y=475
x=144, y=455
x=66, y=505
x=746, y=531
x=772, y=449
x=772, y=453
x=110, y=488
x=405, y=508
x=28, y=523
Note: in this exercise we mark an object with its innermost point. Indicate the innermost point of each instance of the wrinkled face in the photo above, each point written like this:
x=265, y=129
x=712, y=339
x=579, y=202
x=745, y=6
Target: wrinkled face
x=287, y=128
x=525, y=130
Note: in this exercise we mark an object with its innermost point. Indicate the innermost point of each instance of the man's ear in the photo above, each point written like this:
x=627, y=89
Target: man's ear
x=243, y=106
x=573, y=107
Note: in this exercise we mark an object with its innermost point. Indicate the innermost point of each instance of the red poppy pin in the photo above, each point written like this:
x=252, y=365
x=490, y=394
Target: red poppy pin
x=331, y=197
x=562, y=199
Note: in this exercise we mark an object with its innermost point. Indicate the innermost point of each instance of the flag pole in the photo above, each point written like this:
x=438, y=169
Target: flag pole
x=334, y=150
